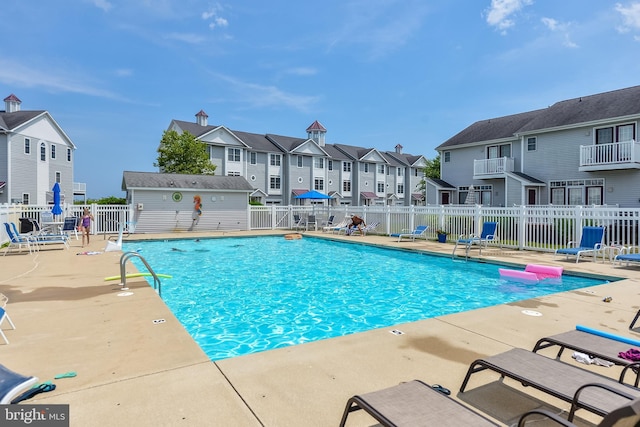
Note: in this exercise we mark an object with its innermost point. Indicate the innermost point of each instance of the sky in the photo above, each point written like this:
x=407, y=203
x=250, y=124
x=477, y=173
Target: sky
x=375, y=73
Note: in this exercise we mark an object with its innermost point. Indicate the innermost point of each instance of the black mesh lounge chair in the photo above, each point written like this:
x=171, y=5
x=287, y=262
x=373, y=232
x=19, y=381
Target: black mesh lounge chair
x=627, y=415
x=582, y=388
x=587, y=343
x=415, y=404
x=12, y=383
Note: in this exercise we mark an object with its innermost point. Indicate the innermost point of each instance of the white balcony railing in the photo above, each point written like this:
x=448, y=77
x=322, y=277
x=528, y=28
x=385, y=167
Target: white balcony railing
x=607, y=154
x=79, y=187
x=495, y=166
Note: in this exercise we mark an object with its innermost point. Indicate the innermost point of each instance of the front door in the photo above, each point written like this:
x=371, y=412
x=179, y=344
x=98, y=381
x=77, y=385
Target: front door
x=532, y=196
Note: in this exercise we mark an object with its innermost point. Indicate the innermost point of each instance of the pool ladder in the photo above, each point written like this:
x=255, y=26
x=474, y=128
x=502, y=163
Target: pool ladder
x=123, y=273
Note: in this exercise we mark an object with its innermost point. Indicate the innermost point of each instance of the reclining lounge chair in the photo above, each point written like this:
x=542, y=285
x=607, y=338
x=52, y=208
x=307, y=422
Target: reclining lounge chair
x=626, y=415
x=591, y=243
x=487, y=235
x=582, y=388
x=12, y=383
x=414, y=403
x=419, y=232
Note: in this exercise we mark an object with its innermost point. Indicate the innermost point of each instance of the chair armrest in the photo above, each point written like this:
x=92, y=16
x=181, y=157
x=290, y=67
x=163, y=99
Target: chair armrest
x=550, y=415
x=575, y=403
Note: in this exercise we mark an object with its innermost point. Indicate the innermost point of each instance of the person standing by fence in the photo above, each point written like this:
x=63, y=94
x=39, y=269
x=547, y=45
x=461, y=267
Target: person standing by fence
x=85, y=224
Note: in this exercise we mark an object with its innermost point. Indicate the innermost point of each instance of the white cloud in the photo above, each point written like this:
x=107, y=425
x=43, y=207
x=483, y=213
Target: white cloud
x=103, y=4
x=260, y=96
x=124, y=72
x=213, y=15
x=500, y=12
x=302, y=71
x=561, y=28
x=630, y=16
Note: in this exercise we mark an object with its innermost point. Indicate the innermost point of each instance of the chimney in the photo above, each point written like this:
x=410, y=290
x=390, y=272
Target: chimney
x=202, y=118
x=12, y=104
x=399, y=149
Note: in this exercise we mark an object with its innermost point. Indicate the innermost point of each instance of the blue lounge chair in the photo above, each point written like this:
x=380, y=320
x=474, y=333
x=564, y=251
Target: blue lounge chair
x=419, y=232
x=487, y=235
x=44, y=239
x=16, y=240
x=5, y=316
x=12, y=383
x=591, y=243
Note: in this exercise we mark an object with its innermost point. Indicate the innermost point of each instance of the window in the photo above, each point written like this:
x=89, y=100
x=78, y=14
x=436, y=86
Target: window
x=330, y=165
x=27, y=146
x=25, y=198
x=594, y=196
x=498, y=151
x=346, y=185
x=68, y=154
x=318, y=162
x=400, y=188
x=447, y=156
x=417, y=172
x=346, y=166
x=318, y=184
x=380, y=187
x=532, y=143
x=576, y=191
x=381, y=169
x=274, y=182
x=253, y=158
x=274, y=160
x=366, y=167
x=621, y=133
x=58, y=177
x=43, y=152
x=299, y=158
x=233, y=173
x=233, y=154
x=53, y=151
x=400, y=171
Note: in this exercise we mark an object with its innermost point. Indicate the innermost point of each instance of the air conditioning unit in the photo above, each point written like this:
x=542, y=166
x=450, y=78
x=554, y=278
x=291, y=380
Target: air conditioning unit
x=140, y=206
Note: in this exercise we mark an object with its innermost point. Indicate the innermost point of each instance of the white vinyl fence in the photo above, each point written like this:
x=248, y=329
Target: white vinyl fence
x=542, y=228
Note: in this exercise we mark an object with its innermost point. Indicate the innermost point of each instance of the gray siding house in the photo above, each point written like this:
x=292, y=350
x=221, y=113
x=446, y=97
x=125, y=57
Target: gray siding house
x=165, y=202
x=35, y=153
x=283, y=167
x=580, y=151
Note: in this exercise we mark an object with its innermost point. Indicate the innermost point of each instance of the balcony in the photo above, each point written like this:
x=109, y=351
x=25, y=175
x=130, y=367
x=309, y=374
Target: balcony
x=80, y=188
x=618, y=155
x=492, y=168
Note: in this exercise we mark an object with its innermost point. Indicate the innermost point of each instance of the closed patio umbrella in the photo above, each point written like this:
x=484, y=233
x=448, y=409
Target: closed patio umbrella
x=57, y=209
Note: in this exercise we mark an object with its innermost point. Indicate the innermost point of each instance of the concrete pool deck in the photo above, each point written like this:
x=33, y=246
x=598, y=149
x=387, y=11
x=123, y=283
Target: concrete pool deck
x=134, y=371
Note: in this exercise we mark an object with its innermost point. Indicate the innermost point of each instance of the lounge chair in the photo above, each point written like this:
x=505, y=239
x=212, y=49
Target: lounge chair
x=5, y=316
x=366, y=229
x=12, y=384
x=71, y=226
x=414, y=403
x=419, y=232
x=328, y=222
x=298, y=222
x=582, y=388
x=595, y=346
x=17, y=240
x=591, y=243
x=45, y=239
x=311, y=222
x=626, y=415
x=487, y=235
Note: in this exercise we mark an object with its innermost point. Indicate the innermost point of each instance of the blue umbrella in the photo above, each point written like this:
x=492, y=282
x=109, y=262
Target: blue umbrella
x=56, y=210
x=313, y=194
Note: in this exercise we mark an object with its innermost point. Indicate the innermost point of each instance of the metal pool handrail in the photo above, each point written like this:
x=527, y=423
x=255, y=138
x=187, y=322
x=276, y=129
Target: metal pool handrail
x=123, y=273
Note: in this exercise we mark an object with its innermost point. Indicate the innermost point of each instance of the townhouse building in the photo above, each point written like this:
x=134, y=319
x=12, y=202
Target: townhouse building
x=283, y=167
x=580, y=151
x=35, y=153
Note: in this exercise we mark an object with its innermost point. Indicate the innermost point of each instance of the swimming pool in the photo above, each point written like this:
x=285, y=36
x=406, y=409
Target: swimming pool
x=238, y=296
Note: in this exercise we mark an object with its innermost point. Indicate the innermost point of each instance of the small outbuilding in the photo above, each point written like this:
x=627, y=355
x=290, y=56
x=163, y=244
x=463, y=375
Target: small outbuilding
x=167, y=202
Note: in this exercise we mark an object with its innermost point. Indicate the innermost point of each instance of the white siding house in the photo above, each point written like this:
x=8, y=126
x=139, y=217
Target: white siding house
x=35, y=153
x=581, y=151
x=282, y=167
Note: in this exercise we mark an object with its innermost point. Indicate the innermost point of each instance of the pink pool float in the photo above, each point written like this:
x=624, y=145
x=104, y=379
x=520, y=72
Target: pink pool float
x=532, y=273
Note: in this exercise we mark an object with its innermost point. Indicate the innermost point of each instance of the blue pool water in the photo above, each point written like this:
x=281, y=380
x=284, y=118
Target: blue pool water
x=238, y=296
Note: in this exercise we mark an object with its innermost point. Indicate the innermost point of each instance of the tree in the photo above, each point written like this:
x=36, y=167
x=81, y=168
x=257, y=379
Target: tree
x=431, y=170
x=183, y=153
